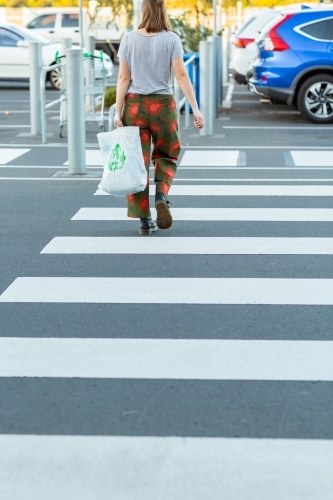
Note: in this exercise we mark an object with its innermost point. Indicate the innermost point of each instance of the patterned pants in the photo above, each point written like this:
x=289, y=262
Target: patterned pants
x=157, y=117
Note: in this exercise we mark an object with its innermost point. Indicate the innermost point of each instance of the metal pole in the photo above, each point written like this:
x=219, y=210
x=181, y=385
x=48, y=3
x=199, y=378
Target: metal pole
x=66, y=43
x=206, y=50
x=217, y=84
x=215, y=17
x=90, y=48
x=137, y=13
x=81, y=23
x=75, y=106
x=239, y=14
x=225, y=57
x=36, y=65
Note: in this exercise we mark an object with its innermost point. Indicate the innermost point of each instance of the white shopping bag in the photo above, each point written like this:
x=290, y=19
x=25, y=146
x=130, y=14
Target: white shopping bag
x=124, y=169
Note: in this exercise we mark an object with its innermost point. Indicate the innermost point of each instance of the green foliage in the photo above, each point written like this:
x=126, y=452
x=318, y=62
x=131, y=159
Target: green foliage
x=190, y=36
x=110, y=96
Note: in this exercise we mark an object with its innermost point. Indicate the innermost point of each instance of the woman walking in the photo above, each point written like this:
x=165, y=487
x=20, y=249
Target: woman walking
x=147, y=57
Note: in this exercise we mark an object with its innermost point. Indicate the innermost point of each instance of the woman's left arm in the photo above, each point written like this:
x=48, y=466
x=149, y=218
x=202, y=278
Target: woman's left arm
x=124, y=79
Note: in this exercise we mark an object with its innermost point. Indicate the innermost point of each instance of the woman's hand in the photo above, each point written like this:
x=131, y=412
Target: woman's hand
x=199, y=121
x=117, y=120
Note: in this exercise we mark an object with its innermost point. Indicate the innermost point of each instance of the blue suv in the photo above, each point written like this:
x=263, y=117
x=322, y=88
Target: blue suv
x=295, y=63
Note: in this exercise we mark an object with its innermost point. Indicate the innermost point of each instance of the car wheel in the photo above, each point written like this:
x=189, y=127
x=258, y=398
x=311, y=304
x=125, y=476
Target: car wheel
x=315, y=99
x=55, y=78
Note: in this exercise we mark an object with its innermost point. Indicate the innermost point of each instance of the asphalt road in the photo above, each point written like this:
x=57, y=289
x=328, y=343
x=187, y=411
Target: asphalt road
x=179, y=422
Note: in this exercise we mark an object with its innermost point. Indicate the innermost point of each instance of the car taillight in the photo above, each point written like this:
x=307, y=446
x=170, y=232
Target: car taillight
x=273, y=41
x=242, y=42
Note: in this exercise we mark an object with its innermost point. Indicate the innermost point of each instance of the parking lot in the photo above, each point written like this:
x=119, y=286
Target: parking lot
x=262, y=188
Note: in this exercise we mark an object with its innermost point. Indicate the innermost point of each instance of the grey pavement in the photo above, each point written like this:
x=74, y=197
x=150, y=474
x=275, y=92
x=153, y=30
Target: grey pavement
x=280, y=427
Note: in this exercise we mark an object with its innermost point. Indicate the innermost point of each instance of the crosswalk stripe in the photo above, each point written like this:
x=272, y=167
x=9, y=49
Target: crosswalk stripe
x=209, y=158
x=312, y=158
x=182, y=359
x=7, y=155
x=170, y=290
x=191, y=245
x=252, y=190
x=93, y=157
x=216, y=214
x=191, y=468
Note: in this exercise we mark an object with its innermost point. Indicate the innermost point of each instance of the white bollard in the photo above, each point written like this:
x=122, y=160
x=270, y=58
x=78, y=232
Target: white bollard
x=36, y=65
x=66, y=43
x=207, y=98
x=217, y=44
x=76, y=117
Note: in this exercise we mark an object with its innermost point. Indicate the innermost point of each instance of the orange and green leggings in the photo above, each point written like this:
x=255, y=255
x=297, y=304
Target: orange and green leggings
x=157, y=117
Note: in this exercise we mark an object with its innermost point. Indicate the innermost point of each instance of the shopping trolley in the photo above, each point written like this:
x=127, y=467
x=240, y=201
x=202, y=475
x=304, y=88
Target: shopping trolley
x=94, y=74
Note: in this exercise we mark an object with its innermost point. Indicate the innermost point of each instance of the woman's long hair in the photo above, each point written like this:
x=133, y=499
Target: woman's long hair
x=155, y=16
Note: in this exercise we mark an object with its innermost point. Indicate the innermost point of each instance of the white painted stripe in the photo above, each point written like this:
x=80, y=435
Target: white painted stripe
x=250, y=190
x=93, y=157
x=92, y=145
x=256, y=190
x=218, y=214
x=54, y=167
x=312, y=158
x=227, y=102
x=245, y=127
x=164, y=468
x=50, y=179
x=171, y=290
x=240, y=179
x=15, y=126
x=7, y=155
x=231, y=169
x=181, y=359
x=209, y=158
x=192, y=245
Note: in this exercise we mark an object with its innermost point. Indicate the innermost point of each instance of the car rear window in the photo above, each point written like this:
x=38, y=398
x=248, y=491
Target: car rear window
x=320, y=30
x=252, y=29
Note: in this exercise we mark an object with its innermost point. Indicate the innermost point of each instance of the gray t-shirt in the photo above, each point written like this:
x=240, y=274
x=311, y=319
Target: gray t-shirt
x=149, y=61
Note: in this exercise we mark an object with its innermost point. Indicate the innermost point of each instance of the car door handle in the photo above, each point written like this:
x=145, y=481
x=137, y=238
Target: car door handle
x=76, y=31
x=51, y=31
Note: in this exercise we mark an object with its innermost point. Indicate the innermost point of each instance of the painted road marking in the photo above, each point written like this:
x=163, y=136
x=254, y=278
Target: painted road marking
x=252, y=190
x=7, y=155
x=192, y=245
x=312, y=158
x=217, y=214
x=209, y=158
x=186, y=468
x=93, y=157
x=170, y=290
x=181, y=359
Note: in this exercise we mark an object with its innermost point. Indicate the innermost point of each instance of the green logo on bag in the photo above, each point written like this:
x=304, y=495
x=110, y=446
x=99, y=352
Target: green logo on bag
x=117, y=158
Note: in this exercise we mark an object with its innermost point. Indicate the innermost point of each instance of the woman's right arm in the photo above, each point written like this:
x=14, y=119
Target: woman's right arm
x=124, y=79
x=186, y=86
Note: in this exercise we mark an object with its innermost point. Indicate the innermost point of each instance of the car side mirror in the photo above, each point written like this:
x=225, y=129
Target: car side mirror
x=23, y=43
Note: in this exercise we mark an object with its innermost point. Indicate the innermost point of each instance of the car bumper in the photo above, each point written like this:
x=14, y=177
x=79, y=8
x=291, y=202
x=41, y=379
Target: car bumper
x=280, y=94
x=241, y=79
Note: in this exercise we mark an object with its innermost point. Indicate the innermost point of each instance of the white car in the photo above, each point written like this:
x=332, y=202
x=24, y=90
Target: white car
x=64, y=23
x=14, y=54
x=244, y=45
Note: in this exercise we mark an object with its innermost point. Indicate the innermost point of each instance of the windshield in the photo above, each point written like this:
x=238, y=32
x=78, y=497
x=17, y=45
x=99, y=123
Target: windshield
x=30, y=35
